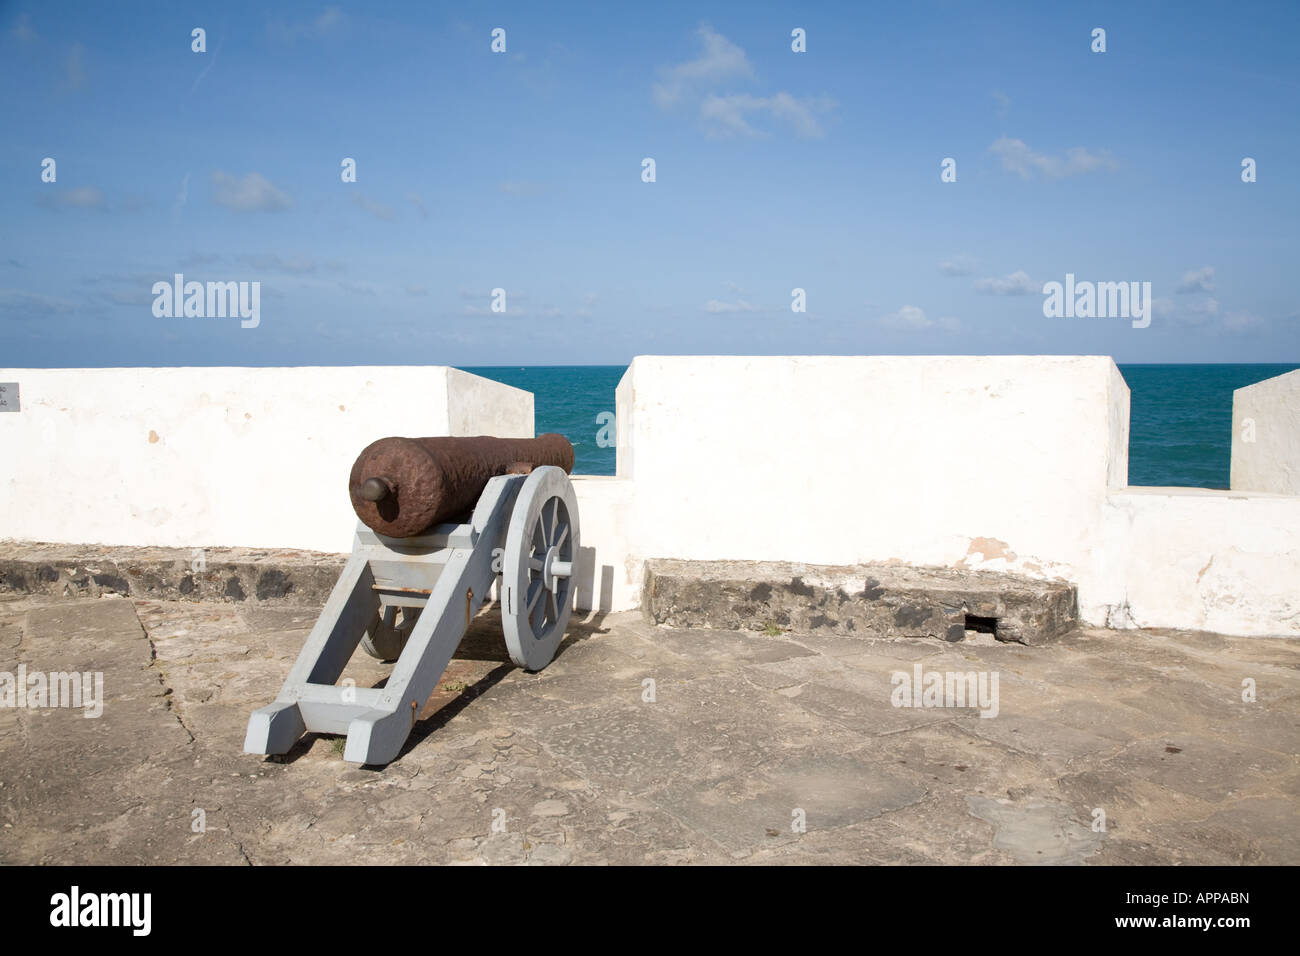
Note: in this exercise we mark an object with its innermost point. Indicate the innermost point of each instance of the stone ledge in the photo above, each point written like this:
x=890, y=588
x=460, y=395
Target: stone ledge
x=232, y=575
x=870, y=600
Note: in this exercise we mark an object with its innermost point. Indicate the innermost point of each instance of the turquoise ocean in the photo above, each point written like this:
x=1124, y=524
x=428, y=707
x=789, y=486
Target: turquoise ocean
x=1180, y=419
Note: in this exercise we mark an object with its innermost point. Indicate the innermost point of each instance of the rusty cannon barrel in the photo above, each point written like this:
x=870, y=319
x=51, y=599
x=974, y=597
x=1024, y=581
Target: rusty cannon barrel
x=402, y=486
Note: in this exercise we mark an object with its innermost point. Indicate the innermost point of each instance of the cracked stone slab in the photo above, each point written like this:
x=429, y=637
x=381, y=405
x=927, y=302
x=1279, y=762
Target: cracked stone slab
x=1037, y=831
x=744, y=729
x=236, y=575
x=870, y=600
x=747, y=812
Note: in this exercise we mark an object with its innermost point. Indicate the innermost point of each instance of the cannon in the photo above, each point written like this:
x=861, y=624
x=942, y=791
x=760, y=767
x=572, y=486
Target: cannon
x=498, y=510
x=401, y=486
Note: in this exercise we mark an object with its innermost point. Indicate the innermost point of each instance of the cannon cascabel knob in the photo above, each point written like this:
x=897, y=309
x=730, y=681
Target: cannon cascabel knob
x=375, y=489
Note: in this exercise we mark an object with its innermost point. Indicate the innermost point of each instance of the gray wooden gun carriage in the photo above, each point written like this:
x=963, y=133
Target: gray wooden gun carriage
x=410, y=599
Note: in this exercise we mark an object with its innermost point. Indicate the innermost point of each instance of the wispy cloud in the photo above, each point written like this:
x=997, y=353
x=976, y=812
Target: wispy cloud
x=201, y=259
x=416, y=200
x=374, y=207
x=22, y=29
x=956, y=266
x=140, y=296
x=75, y=68
x=268, y=262
x=724, y=113
x=1018, y=283
x=182, y=197
x=212, y=61
x=911, y=318
x=80, y=197
x=719, y=60
x=1197, y=280
x=730, y=115
x=1018, y=158
x=253, y=193
x=329, y=20
x=719, y=307
x=1002, y=104
x=1207, y=315
x=16, y=304
x=908, y=317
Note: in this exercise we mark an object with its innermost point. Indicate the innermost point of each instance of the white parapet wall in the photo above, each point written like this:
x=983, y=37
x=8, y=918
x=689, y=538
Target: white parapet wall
x=1196, y=559
x=999, y=463
x=1012, y=463
x=1266, y=436
x=195, y=457
x=608, y=574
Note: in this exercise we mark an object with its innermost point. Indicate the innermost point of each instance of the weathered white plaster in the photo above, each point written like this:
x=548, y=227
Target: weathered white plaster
x=985, y=462
x=1205, y=560
x=1266, y=436
x=195, y=457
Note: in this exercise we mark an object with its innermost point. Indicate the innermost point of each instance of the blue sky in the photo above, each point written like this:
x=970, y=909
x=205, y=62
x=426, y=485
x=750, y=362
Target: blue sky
x=522, y=171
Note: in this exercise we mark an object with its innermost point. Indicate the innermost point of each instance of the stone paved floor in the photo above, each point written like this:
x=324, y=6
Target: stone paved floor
x=572, y=765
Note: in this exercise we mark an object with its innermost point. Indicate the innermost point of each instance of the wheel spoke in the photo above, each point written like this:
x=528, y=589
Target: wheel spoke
x=552, y=607
x=537, y=589
x=535, y=563
x=562, y=537
x=554, y=504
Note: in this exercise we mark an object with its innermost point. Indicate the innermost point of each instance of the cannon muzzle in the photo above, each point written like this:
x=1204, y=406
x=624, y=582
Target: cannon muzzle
x=402, y=486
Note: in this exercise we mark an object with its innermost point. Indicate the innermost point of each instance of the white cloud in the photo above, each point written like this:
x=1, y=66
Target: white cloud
x=728, y=115
x=374, y=207
x=16, y=304
x=22, y=30
x=141, y=296
x=1018, y=283
x=719, y=60
x=75, y=68
x=1207, y=315
x=416, y=200
x=82, y=197
x=1197, y=280
x=330, y=17
x=1242, y=322
x=253, y=193
x=295, y=265
x=718, y=307
x=956, y=266
x=1018, y=158
x=908, y=317
x=182, y=197
x=1004, y=104
x=911, y=318
x=696, y=83
x=324, y=22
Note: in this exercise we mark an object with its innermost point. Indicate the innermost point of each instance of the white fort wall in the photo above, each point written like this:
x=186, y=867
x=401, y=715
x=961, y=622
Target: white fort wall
x=1266, y=436
x=195, y=457
x=1002, y=463
x=999, y=463
x=1204, y=560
